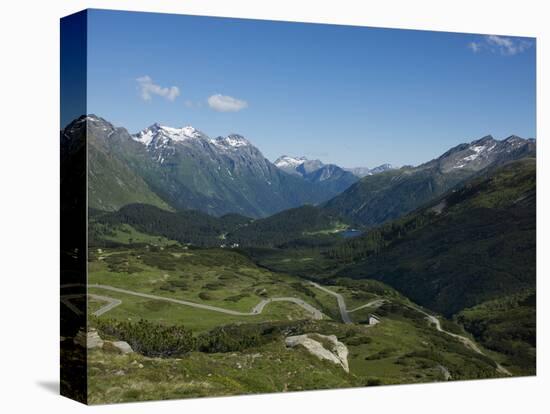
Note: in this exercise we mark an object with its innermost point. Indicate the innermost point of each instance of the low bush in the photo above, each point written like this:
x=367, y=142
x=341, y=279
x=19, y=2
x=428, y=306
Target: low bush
x=150, y=339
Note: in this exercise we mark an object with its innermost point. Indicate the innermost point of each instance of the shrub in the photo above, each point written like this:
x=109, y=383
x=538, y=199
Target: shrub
x=235, y=338
x=205, y=296
x=150, y=339
x=358, y=340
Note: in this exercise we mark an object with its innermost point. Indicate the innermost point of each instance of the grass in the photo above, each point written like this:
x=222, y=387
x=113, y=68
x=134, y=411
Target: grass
x=185, y=275
x=403, y=348
x=397, y=351
x=134, y=308
x=126, y=234
x=273, y=368
x=214, y=277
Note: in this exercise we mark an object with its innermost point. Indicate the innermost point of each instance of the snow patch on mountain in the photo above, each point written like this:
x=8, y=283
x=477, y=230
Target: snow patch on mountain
x=480, y=153
x=231, y=141
x=285, y=161
x=162, y=133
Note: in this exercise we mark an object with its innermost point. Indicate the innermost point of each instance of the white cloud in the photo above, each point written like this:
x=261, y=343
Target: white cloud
x=222, y=103
x=505, y=46
x=474, y=46
x=148, y=88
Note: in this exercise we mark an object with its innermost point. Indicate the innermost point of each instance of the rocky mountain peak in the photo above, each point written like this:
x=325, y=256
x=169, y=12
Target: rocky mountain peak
x=231, y=141
x=164, y=134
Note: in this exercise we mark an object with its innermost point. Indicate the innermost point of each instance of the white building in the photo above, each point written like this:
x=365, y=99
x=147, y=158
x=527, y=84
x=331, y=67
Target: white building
x=374, y=319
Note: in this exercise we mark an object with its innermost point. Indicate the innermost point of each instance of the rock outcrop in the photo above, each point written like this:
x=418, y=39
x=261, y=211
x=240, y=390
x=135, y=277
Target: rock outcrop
x=90, y=340
x=117, y=347
x=317, y=345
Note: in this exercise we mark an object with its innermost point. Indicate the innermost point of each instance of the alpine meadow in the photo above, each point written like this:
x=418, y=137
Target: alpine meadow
x=316, y=207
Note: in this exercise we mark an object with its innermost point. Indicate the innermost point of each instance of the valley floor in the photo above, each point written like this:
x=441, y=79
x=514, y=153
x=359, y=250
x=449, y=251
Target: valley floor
x=213, y=292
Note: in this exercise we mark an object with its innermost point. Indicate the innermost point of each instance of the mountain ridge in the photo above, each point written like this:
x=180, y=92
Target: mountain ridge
x=183, y=168
x=388, y=195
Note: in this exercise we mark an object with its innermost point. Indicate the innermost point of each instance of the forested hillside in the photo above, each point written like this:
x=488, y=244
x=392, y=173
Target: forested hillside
x=474, y=244
x=379, y=198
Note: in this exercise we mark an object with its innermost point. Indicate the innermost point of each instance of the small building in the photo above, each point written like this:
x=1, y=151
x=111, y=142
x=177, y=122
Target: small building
x=374, y=319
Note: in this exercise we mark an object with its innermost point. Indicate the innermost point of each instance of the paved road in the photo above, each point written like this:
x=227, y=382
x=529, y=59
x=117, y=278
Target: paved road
x=339, y=298
x=372, y=304
x=315, y=313
x=111, y=303
x=467, y=342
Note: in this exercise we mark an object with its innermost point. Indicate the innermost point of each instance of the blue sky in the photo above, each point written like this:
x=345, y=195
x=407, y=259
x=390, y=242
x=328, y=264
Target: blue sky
x=353, y=96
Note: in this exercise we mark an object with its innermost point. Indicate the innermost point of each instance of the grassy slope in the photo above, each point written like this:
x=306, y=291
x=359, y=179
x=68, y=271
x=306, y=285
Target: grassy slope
x=112, y=184
x=287, y=226
x=471, y=246
x=507, y=325
x=402, y=349
x=477, y=253
x=479, y=247
x=195, y=227
x=388, y=195
x=125, y=234
x=215, y=277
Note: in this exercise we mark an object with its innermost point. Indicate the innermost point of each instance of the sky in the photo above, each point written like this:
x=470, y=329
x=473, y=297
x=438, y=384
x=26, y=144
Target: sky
x=353, y=96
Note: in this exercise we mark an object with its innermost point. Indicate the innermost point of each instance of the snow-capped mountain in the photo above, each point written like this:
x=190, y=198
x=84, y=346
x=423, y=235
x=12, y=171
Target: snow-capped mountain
x=480, y=153
x=231, y=142
x=330, y=175
x=378, y=198
x=364, y=171
x=164, y=142
x=160, y=134
x=289, y=164
x=183, y=168
x=298, y=165
x=303, y=166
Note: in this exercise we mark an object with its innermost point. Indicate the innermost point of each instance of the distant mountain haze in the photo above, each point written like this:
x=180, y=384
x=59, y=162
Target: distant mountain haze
x=332, y=177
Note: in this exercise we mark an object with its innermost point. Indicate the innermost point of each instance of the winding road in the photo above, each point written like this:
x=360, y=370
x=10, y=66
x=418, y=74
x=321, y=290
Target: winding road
x=344, y=311
x=111, y=303
x=315, y=313
x=467, y=342
x=372, y=304
x=258, y=309
x=339, y=298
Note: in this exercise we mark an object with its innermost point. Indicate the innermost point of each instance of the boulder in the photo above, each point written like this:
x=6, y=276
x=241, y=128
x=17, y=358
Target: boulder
x=338, y=354
x=117, y=347
x=90, y=340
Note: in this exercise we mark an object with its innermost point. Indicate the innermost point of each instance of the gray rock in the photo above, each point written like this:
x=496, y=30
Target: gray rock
x=119, y=347
x=90, y=340
x=338, y=354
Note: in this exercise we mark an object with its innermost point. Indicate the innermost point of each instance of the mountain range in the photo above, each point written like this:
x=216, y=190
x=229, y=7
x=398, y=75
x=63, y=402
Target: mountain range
x=456, y=234
x=182, y=168
x=469, y=254
x=336, y=179
x=378, y=198
x=316, y=170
